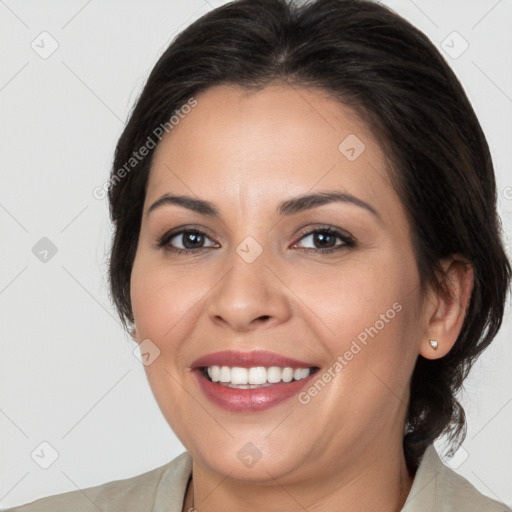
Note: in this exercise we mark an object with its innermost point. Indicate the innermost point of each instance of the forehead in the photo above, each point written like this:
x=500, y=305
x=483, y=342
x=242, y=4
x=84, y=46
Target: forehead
x=280, y=140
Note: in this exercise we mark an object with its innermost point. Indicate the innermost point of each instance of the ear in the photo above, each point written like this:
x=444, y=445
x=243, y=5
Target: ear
x=447, y=309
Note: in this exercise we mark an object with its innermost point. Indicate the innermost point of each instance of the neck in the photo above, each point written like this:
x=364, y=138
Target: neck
x=381, y=485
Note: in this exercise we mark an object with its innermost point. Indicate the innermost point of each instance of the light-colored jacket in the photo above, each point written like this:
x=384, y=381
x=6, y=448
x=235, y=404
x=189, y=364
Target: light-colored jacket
x=436, y=488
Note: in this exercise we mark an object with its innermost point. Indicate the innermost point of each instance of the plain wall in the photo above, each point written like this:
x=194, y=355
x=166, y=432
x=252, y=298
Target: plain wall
x=68, y=375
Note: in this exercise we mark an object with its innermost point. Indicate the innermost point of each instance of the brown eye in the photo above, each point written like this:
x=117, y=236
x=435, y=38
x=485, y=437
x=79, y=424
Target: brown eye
x=188, y=240
x=327, y=240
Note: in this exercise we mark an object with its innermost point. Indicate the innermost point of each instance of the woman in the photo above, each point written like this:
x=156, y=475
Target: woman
x=308, y=253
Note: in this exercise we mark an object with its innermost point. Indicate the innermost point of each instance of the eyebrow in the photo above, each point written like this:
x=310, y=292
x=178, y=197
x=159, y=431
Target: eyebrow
x=288, y=207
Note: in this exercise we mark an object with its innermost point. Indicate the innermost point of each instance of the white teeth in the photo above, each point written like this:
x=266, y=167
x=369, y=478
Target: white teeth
x=214, y=373
x=287, y=374
x=274, y=374
x=225, y=374
x=239, y=375
x=257, y=375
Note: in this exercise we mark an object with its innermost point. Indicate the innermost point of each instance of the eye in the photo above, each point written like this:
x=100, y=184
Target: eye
x=186, y=241
x=324, y=240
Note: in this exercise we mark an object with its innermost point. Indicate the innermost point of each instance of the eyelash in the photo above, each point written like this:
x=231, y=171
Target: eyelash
x=347, y=240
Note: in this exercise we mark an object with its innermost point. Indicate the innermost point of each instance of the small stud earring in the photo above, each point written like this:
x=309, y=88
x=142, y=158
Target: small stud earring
x=434, y=344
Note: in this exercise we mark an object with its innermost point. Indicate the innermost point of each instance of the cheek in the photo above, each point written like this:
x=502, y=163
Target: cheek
x=366, y=313
x=163, y=303
x=161, y=299
x=352, y=296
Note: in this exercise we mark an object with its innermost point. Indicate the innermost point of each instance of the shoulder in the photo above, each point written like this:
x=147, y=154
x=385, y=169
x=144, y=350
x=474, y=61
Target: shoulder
x=439, y=488
x=137, y=493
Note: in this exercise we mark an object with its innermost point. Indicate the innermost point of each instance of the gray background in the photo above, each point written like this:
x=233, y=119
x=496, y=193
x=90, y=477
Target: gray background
x=68, y=374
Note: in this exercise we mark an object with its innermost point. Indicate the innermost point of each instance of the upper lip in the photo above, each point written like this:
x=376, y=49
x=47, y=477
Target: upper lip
x=233, y=358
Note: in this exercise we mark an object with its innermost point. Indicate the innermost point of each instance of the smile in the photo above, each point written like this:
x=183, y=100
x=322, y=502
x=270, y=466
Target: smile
x=250, y=381
x=254, y=377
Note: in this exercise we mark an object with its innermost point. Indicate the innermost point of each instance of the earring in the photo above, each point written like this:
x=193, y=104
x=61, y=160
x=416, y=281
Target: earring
x=434, y=344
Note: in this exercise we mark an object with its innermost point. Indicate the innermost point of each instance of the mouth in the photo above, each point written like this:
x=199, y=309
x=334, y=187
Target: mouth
x=254, y=377
x=251, y=381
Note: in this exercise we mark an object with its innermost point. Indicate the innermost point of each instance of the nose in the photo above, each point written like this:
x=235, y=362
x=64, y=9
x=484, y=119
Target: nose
x=249, y=296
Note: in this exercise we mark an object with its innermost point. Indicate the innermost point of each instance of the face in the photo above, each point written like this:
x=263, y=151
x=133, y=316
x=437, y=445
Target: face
x=328, y=285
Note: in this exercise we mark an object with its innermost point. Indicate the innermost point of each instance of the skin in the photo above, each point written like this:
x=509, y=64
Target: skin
x=247, y=151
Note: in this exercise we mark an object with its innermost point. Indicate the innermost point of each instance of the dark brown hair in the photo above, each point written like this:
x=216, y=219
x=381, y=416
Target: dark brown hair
x=389, y=72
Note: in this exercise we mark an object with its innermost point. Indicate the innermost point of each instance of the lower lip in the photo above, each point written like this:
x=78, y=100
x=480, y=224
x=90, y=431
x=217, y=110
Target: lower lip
x=248, y=400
